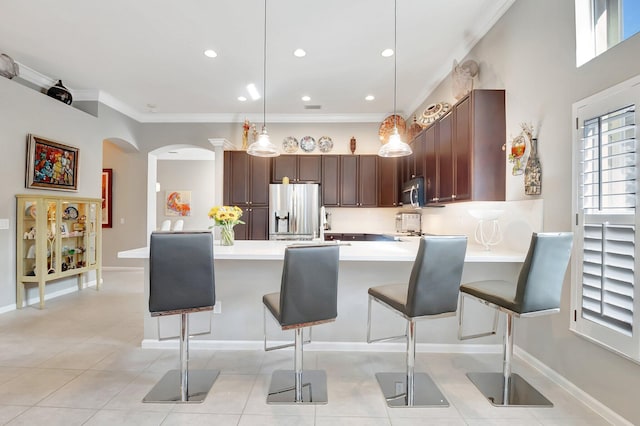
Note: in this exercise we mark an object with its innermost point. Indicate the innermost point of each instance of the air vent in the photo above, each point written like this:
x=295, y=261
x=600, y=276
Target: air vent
x=312, y=106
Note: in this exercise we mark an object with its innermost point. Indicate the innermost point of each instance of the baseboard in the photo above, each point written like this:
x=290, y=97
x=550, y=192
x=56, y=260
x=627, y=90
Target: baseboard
x=605, y=412
x=47, y=296
x=122, y=268
x=253, y=345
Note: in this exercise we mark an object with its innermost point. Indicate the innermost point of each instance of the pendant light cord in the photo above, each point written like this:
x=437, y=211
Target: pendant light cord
x=395, y=61
x=264, y=71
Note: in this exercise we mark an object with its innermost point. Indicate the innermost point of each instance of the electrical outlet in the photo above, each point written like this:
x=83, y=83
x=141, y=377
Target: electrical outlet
x=217, y=308
x=4, y=223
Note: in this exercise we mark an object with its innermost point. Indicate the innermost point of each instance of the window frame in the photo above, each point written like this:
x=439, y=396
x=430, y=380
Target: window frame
x=599, y=104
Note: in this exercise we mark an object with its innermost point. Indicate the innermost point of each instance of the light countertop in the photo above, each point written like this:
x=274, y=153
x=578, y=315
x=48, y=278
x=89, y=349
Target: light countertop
x=366, y=251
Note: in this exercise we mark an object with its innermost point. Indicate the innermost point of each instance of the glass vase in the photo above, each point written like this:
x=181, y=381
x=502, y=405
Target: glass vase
x=227, y=236
x=533, y=171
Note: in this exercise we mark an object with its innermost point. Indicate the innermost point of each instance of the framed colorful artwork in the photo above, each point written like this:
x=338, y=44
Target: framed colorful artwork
x=178, y=203
x=107, y=195
x=51, y=164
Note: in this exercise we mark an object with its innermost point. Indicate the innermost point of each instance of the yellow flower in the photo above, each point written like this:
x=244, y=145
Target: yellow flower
x=226, y=215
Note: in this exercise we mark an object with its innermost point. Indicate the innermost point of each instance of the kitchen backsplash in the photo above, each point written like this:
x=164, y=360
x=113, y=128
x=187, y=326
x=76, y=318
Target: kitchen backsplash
x=517, y=221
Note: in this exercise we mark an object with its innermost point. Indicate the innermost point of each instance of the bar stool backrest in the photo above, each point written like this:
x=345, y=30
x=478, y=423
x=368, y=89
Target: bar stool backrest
x=309, y=286
x=435, y=278
x=540, y=281
x=181, y=277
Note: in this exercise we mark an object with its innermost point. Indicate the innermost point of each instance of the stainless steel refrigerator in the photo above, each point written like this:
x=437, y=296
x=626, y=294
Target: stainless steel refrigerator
x=294, y=211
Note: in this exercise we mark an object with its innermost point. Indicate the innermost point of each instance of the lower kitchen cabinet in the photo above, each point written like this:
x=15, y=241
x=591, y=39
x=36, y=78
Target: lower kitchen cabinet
x=256, y=225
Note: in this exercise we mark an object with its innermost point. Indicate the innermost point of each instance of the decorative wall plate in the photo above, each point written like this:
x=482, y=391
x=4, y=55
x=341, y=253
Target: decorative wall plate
x=325, y=144
x=290, y=144
x=386, y=127
x=307, y=144
x=433, y=112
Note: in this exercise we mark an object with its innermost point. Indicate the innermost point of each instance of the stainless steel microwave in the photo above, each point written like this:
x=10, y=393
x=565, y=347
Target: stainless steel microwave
x=413, y=193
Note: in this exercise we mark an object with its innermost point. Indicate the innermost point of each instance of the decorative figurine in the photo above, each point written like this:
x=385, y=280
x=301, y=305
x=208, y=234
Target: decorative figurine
x=352, y=144
x=245, y=134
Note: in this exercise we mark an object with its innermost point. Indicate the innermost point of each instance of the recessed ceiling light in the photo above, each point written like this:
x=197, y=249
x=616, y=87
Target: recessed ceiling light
x=299, y=53
x=369, y=98
x=306, y=98
x=387, y=52
x=242, y=98
x=210, y=53
x=253, y=91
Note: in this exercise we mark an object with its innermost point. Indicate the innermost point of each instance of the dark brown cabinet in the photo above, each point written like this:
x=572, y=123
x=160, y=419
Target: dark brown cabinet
x=298, y=168
x=246, y=185
x=368, y=180
x=462, y=152
x=388, y=185
x=479, y=136
x=349, y=180
x=256, y=225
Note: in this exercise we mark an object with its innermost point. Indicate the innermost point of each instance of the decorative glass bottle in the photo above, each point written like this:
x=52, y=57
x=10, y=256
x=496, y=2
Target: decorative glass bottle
x=533, y=171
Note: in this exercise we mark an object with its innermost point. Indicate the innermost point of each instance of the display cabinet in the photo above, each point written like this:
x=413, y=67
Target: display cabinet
x=57, y=237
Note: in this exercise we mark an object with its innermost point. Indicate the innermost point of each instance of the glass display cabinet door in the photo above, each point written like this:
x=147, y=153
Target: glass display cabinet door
x=52, y=237
x=27, y=228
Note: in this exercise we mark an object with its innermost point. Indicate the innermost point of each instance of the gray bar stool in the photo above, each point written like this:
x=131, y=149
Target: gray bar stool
x=181, y=281
x=432, y=292
x=308, y=296
x=537, y=292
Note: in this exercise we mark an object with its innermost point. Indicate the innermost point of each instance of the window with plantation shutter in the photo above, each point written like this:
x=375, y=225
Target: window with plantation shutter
x=605, y=288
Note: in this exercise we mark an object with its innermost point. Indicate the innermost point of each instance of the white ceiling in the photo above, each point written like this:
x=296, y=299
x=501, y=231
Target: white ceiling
x=150, y=52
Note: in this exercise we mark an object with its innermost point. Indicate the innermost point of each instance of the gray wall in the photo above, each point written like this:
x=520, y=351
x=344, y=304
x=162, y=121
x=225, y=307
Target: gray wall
x=530, y=52
x=189, y=175
x=23, y=111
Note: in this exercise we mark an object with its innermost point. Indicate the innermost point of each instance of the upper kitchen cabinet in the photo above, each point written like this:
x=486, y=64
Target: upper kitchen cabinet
x=298, y=168
x=388, y=184
x=368, y=180
x=479, y=133
x=349, y=180
x=246, y=179
x=462, y=152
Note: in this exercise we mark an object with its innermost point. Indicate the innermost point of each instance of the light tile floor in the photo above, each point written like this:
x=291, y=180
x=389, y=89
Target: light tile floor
x=79, y=362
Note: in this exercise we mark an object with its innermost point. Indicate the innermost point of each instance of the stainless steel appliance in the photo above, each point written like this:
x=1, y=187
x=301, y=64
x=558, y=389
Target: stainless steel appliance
x=294, y=211
x=407, y=222
x=413, y=193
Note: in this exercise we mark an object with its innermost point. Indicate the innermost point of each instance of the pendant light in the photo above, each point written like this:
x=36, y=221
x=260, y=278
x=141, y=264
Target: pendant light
x=395, y=147
x=263, y=146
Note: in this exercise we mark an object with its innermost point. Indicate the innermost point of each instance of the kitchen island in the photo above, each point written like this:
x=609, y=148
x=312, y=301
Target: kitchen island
x=249, y=269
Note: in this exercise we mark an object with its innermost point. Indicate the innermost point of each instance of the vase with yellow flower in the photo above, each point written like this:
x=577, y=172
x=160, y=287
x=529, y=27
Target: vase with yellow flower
x=226, y=217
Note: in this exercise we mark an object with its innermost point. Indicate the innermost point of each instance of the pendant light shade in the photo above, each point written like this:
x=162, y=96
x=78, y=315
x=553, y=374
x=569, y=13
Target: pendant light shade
x=395, y=147
x=263, y=146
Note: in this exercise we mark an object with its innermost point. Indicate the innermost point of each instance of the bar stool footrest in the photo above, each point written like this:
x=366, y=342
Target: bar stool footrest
x=425, y=391
x=282, y=387
x=167, y=390
x=521, y=393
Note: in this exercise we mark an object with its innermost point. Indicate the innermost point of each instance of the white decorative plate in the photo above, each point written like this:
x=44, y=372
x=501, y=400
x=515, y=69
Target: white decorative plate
x=433, y=112
x=325, y=144
x=290, y=144
x=307, y=144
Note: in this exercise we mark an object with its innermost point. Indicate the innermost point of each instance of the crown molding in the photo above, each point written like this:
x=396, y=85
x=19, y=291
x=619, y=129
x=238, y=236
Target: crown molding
x=222, y=143
x=34, y=77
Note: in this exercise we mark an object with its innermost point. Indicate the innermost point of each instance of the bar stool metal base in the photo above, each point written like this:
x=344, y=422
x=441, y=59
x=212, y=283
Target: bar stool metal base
x=282, y=388
x=425, y=391
x=520, y=393
x=167, y=390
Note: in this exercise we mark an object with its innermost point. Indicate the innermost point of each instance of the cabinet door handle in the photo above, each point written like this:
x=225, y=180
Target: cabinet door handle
x=453, y=196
